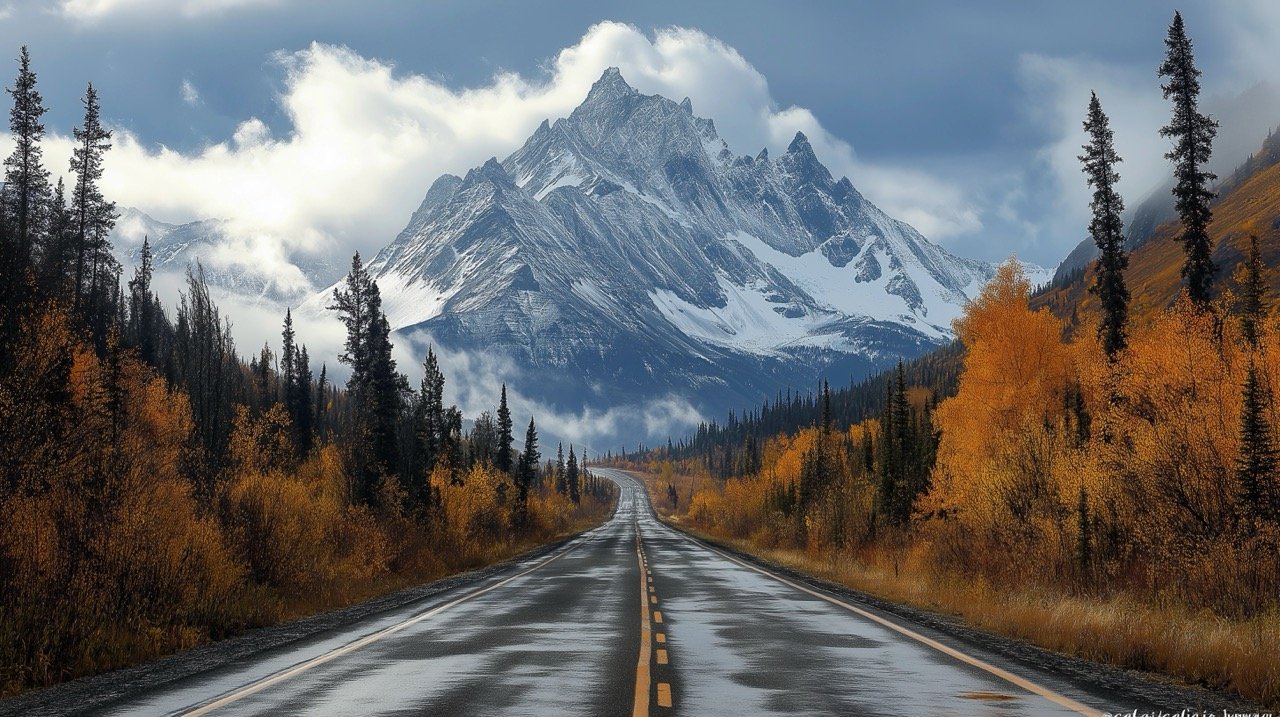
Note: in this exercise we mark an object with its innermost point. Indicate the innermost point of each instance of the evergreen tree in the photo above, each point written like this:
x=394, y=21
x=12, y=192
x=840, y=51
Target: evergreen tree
x=56, y=256
x=1253, y=294
x=288, y=364
x=562, y=484
x=502, y=461
x=303, y=411
x=1193, y=135
x=352, y=304
x=1107, y=229
x=1256, y=466
x=483, y=442
x=295, y=386
x=206, y=367
x=321, y=402
x=266, y=394
x=25, y=198
x=526, y=474
x=430, y=413
x=142, y=314
x=826, y=407
x=375, y=387
x=572, y=478
x=94, y=216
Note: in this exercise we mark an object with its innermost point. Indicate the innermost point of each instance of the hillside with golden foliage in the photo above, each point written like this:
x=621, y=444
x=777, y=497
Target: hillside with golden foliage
x=1248, y=204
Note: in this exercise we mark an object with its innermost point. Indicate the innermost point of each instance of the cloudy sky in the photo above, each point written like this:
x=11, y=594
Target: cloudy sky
x=318, y=126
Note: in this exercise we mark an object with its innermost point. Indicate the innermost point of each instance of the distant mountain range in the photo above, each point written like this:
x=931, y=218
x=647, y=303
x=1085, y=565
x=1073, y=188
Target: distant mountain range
x=624, y=253
x=174, y=247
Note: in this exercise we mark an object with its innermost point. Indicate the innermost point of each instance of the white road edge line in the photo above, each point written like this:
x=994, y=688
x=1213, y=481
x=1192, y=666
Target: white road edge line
x=262, y=684
x=1005, y=675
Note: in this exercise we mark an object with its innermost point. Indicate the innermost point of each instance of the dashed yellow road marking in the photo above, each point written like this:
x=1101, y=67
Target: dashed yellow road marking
x=662, y=657
x=657, y=617
x=660, y=637
x=641, y=706
x=653, y=599
x=650, y=588
x=664, y=694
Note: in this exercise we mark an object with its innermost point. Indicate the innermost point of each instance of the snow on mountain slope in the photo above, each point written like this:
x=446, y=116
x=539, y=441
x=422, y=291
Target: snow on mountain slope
x=625, y=251
x=211, y=242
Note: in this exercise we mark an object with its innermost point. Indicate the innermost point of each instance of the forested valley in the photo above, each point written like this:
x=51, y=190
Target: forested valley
x=158, y=491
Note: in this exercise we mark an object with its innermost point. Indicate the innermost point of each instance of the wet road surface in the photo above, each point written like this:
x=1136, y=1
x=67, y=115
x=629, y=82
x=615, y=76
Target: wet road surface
x=634, y=618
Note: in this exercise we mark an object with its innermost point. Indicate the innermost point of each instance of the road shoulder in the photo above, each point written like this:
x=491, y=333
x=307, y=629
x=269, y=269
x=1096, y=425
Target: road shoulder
x=1070, y=675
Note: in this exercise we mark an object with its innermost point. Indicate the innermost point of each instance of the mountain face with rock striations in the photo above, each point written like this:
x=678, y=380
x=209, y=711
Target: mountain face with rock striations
x=625, y=253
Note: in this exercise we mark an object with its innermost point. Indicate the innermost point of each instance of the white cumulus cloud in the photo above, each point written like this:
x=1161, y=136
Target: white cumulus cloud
x=363, y=141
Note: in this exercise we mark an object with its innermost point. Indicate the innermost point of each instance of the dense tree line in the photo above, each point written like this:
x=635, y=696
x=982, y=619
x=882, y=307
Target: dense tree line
x=733, y=447
x=157, y=490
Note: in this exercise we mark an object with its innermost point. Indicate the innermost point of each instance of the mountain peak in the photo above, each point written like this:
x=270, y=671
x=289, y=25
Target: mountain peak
x=492, y=172
x=800, y=145
x=610, y=85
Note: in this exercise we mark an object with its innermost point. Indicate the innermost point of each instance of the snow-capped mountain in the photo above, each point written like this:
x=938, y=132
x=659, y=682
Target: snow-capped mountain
x=213, y=242
x=624, y=251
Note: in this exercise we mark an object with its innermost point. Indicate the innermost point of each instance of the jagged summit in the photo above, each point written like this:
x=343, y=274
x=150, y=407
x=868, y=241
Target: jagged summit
x=624, y=251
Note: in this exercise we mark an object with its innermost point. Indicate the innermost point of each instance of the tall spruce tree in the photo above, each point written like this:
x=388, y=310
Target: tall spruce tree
x=1256, y=465
x=1192, y=134
x=142, y=306
x=375, y=387
x=526, y=474
x=1107, y=229
x=318, y=426
x=1253, y=294
x=288, y=363
x=26, y=194
x=572, y=478
x=430, y=413
x=303, y=408
x=502, y=461
x=562, y=484
x=94, y=217
x=295, y=385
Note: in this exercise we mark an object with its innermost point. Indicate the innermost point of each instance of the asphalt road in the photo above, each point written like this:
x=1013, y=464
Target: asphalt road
x=630, y=618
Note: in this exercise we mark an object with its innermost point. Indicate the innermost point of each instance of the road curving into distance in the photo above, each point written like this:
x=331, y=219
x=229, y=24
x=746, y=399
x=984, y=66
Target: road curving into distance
x=632, y=617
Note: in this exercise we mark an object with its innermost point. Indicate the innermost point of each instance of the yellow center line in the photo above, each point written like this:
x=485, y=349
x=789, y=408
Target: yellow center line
x=641, y=707
x=657, y=617
x=662, y=657
x=660, y=637
x=664, y=694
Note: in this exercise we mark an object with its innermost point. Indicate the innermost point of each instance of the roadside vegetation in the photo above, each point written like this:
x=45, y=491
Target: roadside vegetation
x=1110, y=493
x=156, y=491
